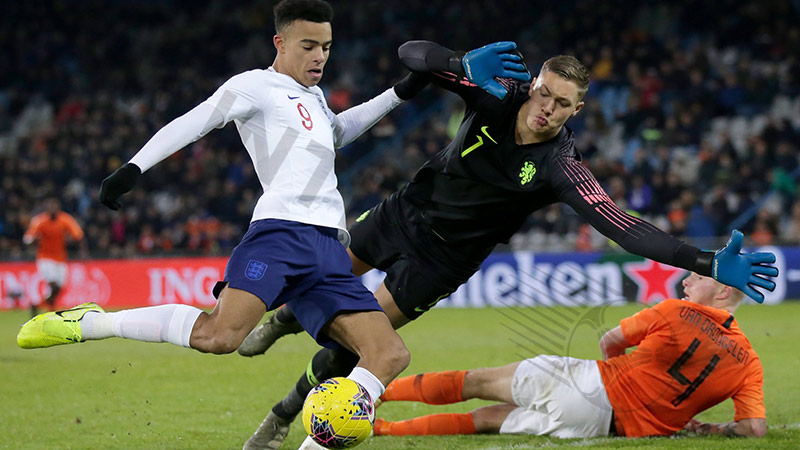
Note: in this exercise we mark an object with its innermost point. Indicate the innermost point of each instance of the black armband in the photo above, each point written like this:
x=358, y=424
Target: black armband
x=703, y=263
x=427, y=56
x=455, y=63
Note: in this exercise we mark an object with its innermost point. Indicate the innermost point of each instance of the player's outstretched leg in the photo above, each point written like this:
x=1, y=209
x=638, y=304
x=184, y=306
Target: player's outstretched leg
x=55, y=328
x=433, y=388
x=487, y=419
x=440, y=388
x=261, y=339
x=221, y=331
x=163, y=323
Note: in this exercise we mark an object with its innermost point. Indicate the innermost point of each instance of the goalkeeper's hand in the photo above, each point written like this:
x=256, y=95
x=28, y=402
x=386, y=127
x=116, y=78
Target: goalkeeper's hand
x=741, y=270
x=499, y=60
x=117, y=184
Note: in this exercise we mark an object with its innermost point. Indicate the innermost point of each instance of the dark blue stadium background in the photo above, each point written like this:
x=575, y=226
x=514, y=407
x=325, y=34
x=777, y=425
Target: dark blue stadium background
x=692, y=117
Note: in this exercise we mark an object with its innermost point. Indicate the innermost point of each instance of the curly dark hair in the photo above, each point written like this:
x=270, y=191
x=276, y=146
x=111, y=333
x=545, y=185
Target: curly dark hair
x=288, y=11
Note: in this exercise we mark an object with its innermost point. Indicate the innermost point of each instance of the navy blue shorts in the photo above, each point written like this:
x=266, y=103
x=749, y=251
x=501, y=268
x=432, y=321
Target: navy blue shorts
x=300, y=265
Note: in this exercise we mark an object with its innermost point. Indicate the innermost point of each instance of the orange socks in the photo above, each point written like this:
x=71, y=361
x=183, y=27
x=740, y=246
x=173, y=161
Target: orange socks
x=435, y=424
x=435, y=388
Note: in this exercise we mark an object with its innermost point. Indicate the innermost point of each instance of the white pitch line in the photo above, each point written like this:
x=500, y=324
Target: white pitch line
x=604, y=440
x=549, y=444
x=788, y=426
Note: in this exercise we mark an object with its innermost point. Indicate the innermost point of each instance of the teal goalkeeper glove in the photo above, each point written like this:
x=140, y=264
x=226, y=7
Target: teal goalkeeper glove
x=499, y=60
x=741, y=270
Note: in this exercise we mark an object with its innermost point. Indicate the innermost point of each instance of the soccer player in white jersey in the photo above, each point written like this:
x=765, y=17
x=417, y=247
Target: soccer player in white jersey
x=294, y=250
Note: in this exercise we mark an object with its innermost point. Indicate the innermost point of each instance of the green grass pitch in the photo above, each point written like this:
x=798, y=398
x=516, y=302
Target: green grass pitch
x=124, y=394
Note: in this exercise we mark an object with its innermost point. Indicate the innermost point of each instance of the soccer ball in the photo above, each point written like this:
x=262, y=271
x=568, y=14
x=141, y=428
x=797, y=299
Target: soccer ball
x=338, y=413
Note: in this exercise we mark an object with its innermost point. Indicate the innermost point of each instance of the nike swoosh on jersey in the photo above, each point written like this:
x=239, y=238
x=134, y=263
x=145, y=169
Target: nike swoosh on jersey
x=480, y=141
x=292, y=98
x=483, y=130
x=472, y=147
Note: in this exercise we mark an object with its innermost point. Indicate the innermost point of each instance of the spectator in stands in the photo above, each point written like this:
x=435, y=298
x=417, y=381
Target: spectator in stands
x=55, y=131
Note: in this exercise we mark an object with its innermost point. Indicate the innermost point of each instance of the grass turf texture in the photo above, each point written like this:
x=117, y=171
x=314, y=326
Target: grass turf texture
x=126, y=394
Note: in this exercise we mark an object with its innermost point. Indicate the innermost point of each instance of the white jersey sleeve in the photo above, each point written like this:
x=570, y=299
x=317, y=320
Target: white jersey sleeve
x=177, y=134
x=233, y=100
x=241, y=97
x=352, y=123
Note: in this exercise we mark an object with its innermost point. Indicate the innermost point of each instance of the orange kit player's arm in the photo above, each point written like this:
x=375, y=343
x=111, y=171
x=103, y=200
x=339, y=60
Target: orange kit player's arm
x=32, y=233
x=76, y=234
x=75, y=230
x=748, y=404
x=742, y=427
x=613, y=343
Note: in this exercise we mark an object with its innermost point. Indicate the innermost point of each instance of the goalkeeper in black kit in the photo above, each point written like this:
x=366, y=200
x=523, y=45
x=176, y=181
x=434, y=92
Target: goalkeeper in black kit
x=513, y=155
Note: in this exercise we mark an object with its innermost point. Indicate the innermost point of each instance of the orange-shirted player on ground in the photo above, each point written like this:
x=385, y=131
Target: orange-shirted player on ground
x=690, y=356
x=50, y=230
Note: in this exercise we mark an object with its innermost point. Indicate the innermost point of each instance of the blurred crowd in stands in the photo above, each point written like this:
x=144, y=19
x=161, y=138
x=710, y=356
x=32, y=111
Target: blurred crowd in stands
x=692, y=118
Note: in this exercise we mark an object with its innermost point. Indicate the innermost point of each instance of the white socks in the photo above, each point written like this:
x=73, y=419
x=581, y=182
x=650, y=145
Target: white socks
x=309, y=444
x=164, y=323
x=370, y=382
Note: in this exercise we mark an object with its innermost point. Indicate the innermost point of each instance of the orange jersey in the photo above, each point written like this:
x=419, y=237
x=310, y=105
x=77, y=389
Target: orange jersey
x=689, y=358
x=52, y=233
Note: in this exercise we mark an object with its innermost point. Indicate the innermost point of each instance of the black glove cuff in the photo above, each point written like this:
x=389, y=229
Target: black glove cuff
x=410, y=86
x=704, y=263
x=455, y=63
x=128, y=174
x=131, y=168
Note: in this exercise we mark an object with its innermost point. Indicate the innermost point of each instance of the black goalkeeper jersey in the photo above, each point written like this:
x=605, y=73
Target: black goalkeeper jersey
x=479, y=190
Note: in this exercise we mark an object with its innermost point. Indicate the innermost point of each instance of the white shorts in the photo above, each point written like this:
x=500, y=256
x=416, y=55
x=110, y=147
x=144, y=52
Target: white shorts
x=52, y=271
x=558, y=396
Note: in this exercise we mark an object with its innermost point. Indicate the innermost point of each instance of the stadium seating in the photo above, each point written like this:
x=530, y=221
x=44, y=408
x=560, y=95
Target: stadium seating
x=81, y=97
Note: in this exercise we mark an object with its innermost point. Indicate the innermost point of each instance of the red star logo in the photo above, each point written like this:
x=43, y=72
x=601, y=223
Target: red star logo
x=656, y=281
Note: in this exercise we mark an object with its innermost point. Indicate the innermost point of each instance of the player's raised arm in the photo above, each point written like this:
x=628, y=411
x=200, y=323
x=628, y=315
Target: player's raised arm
x=479, y=67
x=578, y=188
x=32, y=233
x=483, y=64
x=353, y=122
x=233, y=100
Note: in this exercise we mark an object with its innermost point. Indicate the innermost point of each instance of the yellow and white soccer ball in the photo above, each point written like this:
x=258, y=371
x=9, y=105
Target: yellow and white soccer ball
x=338, y=413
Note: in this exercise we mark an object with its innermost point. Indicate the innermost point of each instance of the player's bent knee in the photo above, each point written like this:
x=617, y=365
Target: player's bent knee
x=391, y=355
x=397, y=357
x=477, y=381
x=489, y=419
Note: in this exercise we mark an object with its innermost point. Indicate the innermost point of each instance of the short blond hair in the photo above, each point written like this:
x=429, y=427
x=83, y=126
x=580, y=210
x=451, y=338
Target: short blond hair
x=569, y=68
